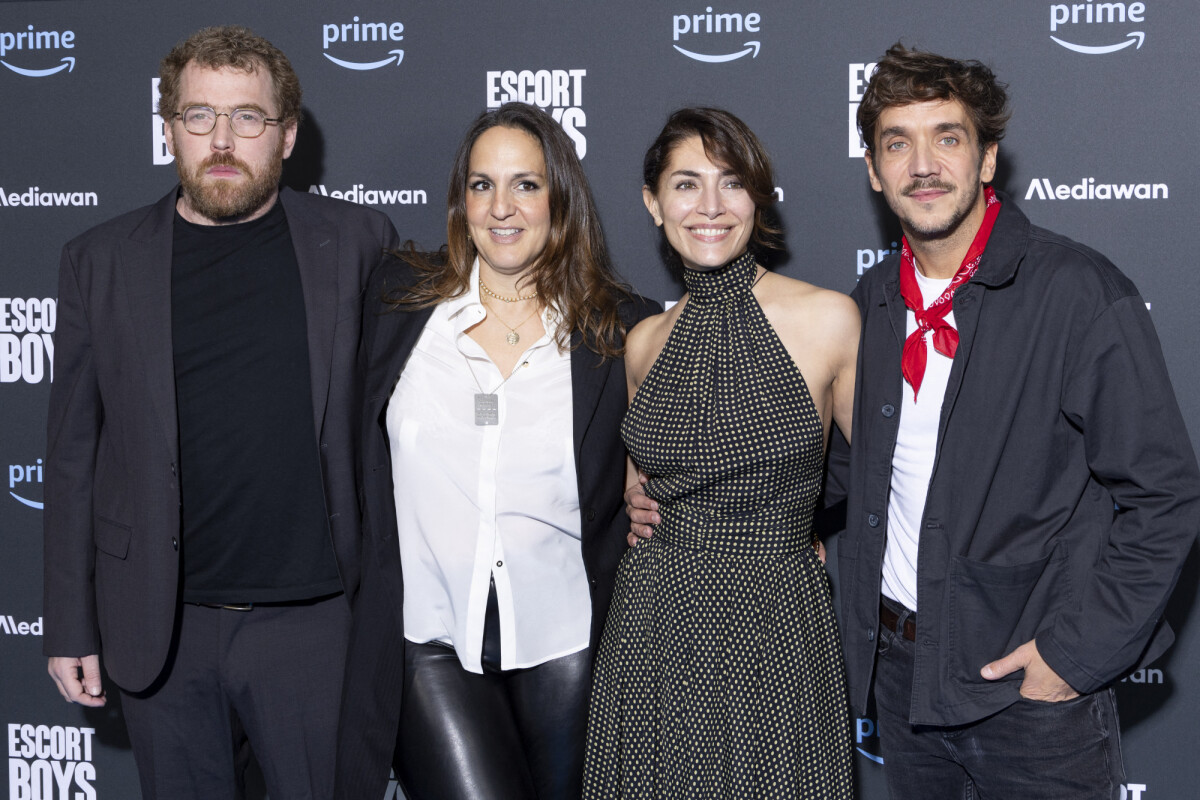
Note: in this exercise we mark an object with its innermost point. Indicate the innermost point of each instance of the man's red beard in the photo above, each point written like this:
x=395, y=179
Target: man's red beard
x=219, y=199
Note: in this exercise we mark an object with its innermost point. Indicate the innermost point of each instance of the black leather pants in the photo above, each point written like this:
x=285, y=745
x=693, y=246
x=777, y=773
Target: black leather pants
x=502, y=735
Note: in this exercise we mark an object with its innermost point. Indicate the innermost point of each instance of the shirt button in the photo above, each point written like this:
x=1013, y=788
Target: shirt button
x=174, y=543
x=873, y=520
x=499, y=563
x=870, y=634
x=591, y=514
x=888, y=410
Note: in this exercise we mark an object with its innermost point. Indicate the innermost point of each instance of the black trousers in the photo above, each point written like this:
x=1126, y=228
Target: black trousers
x=512, y=734
x=273, y=675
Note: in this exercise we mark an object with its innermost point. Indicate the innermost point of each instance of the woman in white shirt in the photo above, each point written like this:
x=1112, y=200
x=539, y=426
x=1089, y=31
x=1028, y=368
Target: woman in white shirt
x=493, y=476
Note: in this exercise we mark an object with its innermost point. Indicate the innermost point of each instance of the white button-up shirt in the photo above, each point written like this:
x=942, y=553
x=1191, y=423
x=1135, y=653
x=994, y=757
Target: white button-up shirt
x=475, y=501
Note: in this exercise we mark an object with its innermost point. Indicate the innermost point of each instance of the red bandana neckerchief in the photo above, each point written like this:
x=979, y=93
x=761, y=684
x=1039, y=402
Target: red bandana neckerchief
x=945, y=337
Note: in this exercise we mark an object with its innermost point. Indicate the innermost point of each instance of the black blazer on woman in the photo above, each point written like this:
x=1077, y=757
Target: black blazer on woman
x=375, y=667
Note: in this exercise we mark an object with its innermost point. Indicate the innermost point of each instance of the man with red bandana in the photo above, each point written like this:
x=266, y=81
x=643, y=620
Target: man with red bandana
x=201, y=514
x=1022, y=491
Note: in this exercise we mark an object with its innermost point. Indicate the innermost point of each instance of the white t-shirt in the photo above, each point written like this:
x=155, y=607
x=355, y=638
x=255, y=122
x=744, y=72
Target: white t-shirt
x=912, y=460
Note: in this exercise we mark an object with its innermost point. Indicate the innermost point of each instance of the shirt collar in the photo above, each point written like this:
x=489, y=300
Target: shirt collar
x=467, y=309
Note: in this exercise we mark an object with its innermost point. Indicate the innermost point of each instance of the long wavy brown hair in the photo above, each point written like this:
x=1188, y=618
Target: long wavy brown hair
x=574, y=273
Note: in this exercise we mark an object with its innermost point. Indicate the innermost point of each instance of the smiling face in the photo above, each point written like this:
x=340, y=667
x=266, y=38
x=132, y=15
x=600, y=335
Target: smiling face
x=705, y=212
x=227, y=178
x=927, y=163
x=508, y=200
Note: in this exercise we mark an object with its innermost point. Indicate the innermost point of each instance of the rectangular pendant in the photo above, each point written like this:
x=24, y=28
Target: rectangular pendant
x=487, y=409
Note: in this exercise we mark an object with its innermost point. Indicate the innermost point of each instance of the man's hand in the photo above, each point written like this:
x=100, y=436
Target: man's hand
x=78, y=679
x=643, y=512
x=1040, y=683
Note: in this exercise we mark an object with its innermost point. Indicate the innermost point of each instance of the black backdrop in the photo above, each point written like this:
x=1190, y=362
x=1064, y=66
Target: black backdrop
x=1099, y=148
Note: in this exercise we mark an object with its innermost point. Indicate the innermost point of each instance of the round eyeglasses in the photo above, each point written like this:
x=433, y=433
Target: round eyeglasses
x=245, y=123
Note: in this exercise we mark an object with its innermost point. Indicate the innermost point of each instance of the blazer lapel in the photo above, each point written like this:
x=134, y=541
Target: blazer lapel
x=146, y=274
x=588, y=377
x=315, y=240
x=396, y=335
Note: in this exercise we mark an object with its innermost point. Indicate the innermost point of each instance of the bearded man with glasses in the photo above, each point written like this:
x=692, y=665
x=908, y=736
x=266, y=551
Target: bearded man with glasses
x=201, y=515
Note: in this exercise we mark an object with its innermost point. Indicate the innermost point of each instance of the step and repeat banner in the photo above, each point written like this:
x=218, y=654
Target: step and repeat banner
x=1100, y=148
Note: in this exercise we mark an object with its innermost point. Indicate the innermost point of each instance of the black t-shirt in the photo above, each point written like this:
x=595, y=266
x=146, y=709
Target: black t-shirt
x=254, y=519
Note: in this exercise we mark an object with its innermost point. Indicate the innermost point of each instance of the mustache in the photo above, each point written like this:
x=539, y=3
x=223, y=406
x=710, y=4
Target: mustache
x=925, y=185
x=225, y=160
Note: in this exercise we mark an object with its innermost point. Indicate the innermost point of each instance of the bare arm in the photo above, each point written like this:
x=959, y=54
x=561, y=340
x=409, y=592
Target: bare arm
x=641, y=348
x=846, y=366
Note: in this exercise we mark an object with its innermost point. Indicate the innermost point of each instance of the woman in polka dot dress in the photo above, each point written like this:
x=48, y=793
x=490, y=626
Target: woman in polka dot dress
x=720, y=671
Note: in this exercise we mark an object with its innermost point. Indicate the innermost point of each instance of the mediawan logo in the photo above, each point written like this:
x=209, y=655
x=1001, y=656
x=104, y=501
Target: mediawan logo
x=860, y=76
x=27, y=46
x=50, y=763
x=1088, y=189
x=1066, y=19
x=358, y=193
x=37, y=197
x=361, y=38
x=26, y=338
x=728, y=26
x=12, y=627
x=558, y=92
x=22, y=478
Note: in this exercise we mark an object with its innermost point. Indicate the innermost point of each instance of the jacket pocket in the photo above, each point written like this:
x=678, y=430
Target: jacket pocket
x=993, y=608
x=112, y=537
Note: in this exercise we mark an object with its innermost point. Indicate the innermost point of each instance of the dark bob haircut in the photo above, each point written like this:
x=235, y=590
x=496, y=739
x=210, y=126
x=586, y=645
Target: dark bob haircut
x=730, y=143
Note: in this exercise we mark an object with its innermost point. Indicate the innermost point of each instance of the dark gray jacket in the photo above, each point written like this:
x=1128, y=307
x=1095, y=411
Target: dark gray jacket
x=1058, y=411
x=112, y=519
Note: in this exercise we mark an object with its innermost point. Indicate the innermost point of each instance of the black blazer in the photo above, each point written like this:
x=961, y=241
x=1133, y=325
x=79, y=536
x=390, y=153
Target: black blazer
x=112, y=521
x=375, y=668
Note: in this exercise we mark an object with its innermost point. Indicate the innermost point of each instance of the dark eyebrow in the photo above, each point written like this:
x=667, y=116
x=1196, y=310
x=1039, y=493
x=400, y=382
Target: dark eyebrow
x=687, y=173
x=517, y=177
x=941, y=127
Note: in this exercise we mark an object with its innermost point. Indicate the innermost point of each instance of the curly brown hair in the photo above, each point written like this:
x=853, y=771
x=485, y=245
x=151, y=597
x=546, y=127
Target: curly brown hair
x=905, y=76
x=729, y=142
x=574, y=273
x=235, y=47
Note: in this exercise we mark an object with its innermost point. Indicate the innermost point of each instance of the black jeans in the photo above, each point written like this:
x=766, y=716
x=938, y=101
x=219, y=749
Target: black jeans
x=515, y=734
x=1031, y=750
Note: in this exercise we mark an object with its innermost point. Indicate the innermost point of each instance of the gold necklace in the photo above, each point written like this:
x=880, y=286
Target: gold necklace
x=483, y=287
x=513, y=338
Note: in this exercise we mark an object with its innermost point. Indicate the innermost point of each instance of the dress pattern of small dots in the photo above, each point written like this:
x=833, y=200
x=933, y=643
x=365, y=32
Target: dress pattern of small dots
x=720, y=671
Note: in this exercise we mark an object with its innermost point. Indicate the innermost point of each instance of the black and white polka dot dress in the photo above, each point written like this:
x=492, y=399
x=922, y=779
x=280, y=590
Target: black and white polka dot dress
x=720, y=671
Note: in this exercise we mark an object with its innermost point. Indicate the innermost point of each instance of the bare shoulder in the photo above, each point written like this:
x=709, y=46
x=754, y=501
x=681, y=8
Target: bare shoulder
x=790, y=302
x=646, y=340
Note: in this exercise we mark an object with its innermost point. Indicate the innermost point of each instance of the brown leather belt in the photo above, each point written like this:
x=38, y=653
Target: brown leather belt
x=889, y=619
